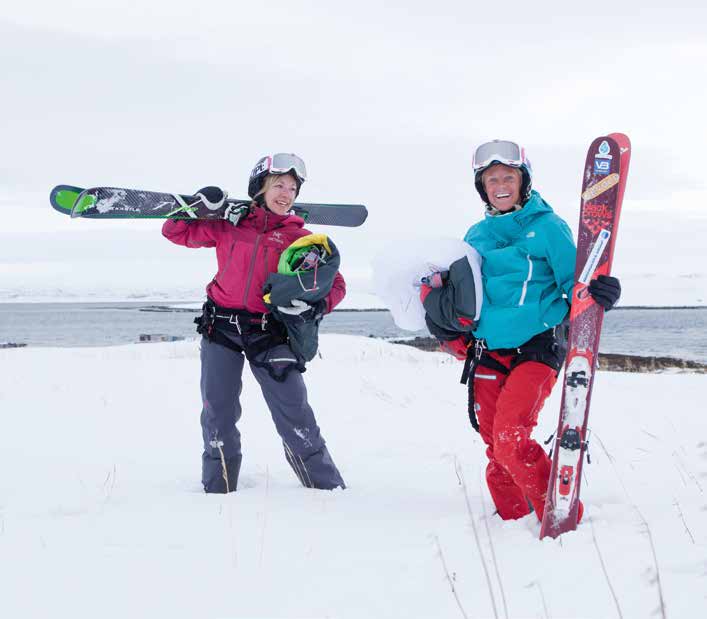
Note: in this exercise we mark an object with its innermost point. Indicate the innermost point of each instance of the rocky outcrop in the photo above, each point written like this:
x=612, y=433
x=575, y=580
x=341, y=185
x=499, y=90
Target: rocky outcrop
x=633, y=363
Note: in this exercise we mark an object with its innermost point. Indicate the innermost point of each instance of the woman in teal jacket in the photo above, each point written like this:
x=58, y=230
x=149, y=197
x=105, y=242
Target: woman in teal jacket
x=528, y=269
x=528, y=263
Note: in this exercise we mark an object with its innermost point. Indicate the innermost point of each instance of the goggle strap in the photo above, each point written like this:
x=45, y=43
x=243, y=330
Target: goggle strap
x=502, y=151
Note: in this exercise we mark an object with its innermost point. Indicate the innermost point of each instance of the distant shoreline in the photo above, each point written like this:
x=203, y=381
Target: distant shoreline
x=676, y=332
x=160, y=305
x=616, y=309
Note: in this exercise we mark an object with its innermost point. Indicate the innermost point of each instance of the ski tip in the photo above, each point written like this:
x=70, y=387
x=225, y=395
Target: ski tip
x=63, y=197
x=620, y=136
x=84, y=201
x=339, y=215
x=622, y=140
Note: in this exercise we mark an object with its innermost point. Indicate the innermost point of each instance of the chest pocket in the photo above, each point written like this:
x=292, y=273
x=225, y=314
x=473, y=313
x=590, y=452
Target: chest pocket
x=267, y=258
x=271, y=257
x=507, y=274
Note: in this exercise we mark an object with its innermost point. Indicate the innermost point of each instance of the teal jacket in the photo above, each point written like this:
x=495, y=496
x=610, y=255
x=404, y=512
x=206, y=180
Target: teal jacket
x=528, y=265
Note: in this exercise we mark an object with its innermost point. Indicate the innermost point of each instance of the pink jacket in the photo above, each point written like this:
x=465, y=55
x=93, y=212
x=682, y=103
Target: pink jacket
x=246, y=254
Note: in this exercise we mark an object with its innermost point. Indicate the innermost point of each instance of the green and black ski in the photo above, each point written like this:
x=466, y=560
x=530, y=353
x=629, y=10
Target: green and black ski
x=119, y=203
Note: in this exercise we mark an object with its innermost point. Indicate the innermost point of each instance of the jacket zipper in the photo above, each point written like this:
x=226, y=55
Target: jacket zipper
x=525, y=283
x=252, y=261
x=220, y=274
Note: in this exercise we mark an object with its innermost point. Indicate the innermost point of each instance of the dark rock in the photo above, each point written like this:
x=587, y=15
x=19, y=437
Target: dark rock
x=612, y=362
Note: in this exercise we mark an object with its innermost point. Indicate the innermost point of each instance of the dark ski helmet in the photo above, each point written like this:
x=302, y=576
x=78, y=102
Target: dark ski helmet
x=506, y=153
x=278, y=163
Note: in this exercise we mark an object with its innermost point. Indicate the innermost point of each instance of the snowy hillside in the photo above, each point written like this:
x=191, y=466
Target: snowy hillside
x=102, y=515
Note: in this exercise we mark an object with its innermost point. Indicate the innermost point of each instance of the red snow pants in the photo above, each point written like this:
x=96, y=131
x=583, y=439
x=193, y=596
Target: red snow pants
x=507, y=408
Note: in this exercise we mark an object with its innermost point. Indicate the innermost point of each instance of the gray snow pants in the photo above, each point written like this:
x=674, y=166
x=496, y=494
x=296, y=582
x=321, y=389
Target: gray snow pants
x=221, y=385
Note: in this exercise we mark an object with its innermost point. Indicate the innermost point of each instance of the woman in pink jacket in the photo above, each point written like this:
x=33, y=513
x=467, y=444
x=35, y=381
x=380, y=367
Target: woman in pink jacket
x=236, y=327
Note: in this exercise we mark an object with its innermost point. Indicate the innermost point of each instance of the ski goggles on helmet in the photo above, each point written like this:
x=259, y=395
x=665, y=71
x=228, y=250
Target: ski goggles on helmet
x=498, y=151
x=280, y=163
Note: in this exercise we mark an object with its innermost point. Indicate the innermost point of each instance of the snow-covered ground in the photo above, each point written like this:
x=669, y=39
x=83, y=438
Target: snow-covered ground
x=102, y=514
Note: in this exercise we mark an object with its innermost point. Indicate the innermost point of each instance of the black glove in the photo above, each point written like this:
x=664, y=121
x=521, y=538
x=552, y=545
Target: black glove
x=605, y=290
x=442, y=334
x=235, y=212
x=212, y=197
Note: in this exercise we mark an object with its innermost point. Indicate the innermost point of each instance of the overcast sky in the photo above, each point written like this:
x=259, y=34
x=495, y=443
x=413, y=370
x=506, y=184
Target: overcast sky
x=385, y=101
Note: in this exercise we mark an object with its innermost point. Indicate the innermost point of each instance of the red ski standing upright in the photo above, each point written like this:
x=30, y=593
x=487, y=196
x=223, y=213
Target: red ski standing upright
x=603, y=186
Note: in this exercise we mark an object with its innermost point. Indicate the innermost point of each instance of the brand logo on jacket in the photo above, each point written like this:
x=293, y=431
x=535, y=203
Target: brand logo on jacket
x=277, y=237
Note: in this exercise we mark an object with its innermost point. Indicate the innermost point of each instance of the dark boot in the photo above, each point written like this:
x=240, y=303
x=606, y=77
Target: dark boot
x=212, y=474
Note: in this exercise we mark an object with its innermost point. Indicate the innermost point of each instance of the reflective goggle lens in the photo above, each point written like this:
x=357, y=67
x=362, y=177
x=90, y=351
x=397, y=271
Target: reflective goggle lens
x=505, y=152
x=282, y=163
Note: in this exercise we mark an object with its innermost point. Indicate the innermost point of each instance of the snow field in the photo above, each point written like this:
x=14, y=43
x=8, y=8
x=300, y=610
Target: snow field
x=102, y=513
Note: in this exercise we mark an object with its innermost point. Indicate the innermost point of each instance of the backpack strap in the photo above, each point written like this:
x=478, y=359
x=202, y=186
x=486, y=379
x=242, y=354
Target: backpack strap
x=477, y=355
x=548, y=347
x=257, y=333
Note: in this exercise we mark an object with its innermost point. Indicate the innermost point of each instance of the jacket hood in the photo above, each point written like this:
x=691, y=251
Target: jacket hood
x=265, y=220
x=510, y=225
